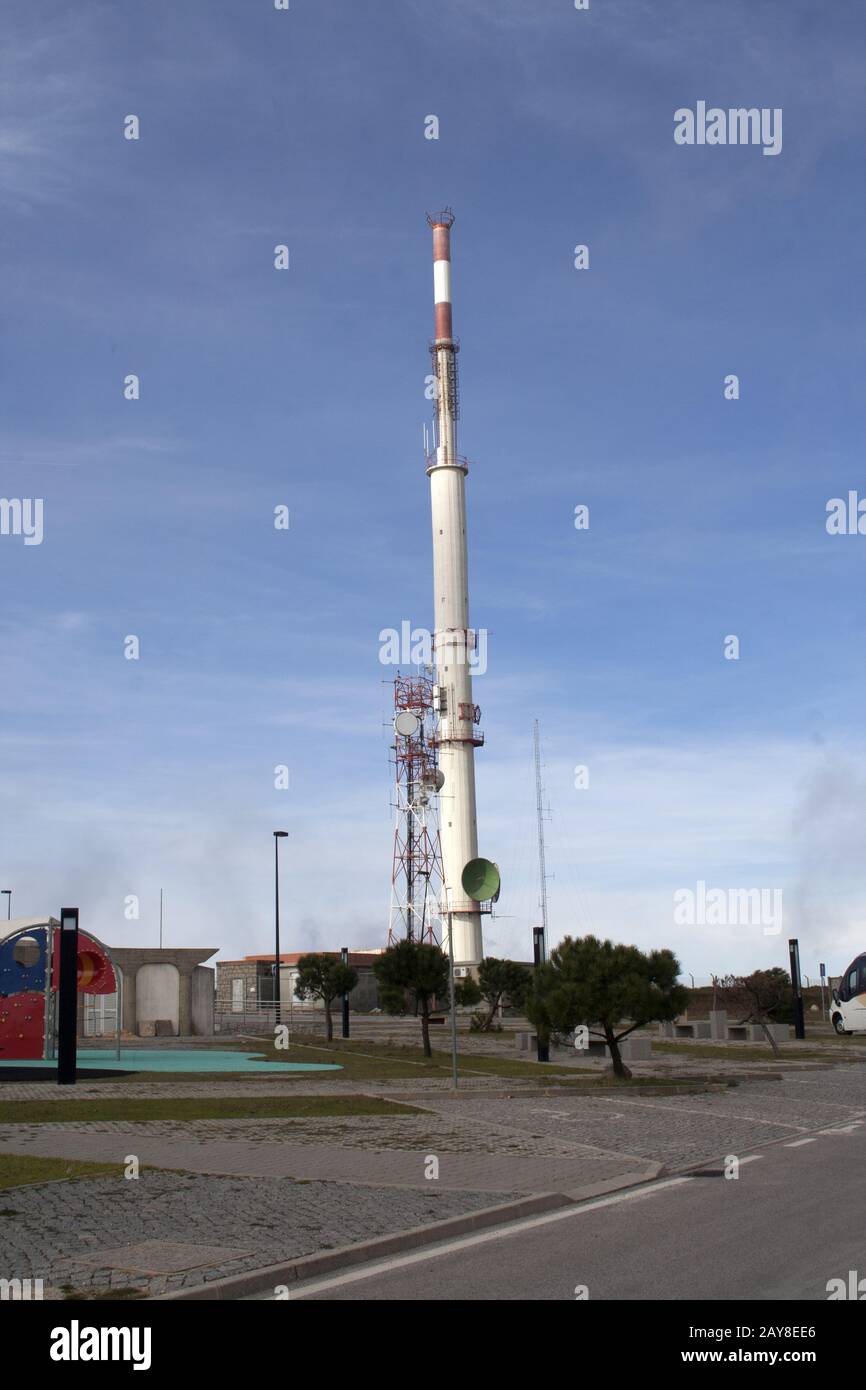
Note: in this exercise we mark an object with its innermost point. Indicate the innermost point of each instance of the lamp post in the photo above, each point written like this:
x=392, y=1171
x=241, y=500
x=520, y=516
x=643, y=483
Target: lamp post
x=7, y=894
x=344, y=959
x=542, y=1049
x=278, y=835
x=67, y=1008
x=796, y=988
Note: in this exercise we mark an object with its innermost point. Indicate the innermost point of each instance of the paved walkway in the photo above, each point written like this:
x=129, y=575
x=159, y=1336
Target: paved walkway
x=167, y=1231
x=382, y=1151
x=258, y=1191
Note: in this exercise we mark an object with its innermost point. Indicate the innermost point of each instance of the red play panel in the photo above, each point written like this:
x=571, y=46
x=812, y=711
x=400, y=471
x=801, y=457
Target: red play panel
x=22, y=1026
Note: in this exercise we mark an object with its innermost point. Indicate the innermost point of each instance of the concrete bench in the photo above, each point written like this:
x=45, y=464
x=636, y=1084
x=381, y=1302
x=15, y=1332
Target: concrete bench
x=754, y=1032
x=781, y=1032
x=698, y=1029
x=778, y=1031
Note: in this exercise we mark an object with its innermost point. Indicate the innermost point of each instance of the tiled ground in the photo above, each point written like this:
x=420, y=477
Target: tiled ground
x=291, y=1187
x=53, y=1231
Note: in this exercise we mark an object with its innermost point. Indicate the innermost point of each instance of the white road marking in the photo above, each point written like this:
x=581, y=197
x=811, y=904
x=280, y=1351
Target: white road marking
x=572, y=1118
x=751, y=1158
x=798, y=1143
x=719, y=1114
x=842, y=1129
x=483, y=1238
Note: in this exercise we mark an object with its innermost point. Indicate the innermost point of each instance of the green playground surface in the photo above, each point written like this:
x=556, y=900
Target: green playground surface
x=197, y=1059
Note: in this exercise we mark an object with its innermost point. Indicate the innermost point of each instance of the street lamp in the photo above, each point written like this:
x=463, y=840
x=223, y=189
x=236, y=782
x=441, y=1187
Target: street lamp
x=7, y=893
x=542, y=1049
x=278, y=835
x=67, y=1001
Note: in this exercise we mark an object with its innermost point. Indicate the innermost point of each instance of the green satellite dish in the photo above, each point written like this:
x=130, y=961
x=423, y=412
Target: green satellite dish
x=481, y=880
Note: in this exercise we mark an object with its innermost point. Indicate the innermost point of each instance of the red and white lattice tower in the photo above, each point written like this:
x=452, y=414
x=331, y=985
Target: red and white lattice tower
x=416, y=879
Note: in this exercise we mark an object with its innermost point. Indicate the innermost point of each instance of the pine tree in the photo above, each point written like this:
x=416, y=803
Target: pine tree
x=603, y=985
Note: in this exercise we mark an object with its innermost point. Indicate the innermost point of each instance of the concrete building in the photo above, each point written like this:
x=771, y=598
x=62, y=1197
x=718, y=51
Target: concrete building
x=247, y=985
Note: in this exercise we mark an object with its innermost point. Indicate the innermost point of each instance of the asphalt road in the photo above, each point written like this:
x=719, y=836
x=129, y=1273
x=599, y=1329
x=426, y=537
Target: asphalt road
x=791, y=1221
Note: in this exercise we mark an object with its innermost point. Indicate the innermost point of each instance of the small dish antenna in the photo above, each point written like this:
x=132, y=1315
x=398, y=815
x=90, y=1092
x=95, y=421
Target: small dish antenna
x=481, y=881
x=406, y=723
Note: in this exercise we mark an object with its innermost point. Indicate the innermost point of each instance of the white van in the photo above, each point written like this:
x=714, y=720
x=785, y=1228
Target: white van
x=848, y=1012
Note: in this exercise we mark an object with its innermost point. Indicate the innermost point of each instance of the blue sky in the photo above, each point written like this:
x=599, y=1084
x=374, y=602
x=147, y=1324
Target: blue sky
x=306, y=388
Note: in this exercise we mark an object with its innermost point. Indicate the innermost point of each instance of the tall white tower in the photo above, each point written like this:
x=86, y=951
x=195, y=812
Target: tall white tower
x=453, y=642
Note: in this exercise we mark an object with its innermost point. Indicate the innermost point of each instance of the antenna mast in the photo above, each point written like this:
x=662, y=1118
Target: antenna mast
x=416, y=878
x=542, y=869
x=457, y=732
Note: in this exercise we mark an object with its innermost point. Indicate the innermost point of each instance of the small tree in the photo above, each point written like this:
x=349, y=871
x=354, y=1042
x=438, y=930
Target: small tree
x=324, y=977
x=498, y=978
x=466, y=992
x=588, y=981
x=416, y=969
x=763, y=997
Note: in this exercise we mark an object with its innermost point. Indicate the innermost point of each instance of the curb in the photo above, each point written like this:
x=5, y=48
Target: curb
x=652, y=1173
x=310, y=1266
x=569, y=1088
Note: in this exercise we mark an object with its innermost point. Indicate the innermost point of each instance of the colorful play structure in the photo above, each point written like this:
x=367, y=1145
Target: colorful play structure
x=29, y=978
x=29, y=997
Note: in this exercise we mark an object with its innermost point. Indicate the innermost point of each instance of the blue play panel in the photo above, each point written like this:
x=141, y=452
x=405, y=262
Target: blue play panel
x=173, y=1059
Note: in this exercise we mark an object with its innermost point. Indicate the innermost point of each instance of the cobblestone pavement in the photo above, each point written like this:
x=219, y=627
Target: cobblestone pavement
x=450, y=1132
x=291, y=1187
x=495, y=1160
x=682, y=1130
x=249, y=1086
x=55, y=1231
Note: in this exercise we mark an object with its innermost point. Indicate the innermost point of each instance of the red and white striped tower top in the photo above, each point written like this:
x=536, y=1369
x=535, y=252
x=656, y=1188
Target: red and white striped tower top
x=441, y=223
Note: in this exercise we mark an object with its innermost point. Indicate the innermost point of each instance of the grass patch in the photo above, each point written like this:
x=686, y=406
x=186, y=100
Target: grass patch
x=658, y=1085
x=36, y=1112
x=20, y=1170
x=506, y=1066
x=71, y=1294
x=365, y=1060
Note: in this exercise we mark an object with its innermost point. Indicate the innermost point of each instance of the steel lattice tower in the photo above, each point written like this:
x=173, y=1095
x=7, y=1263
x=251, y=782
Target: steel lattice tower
x=416, y=878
